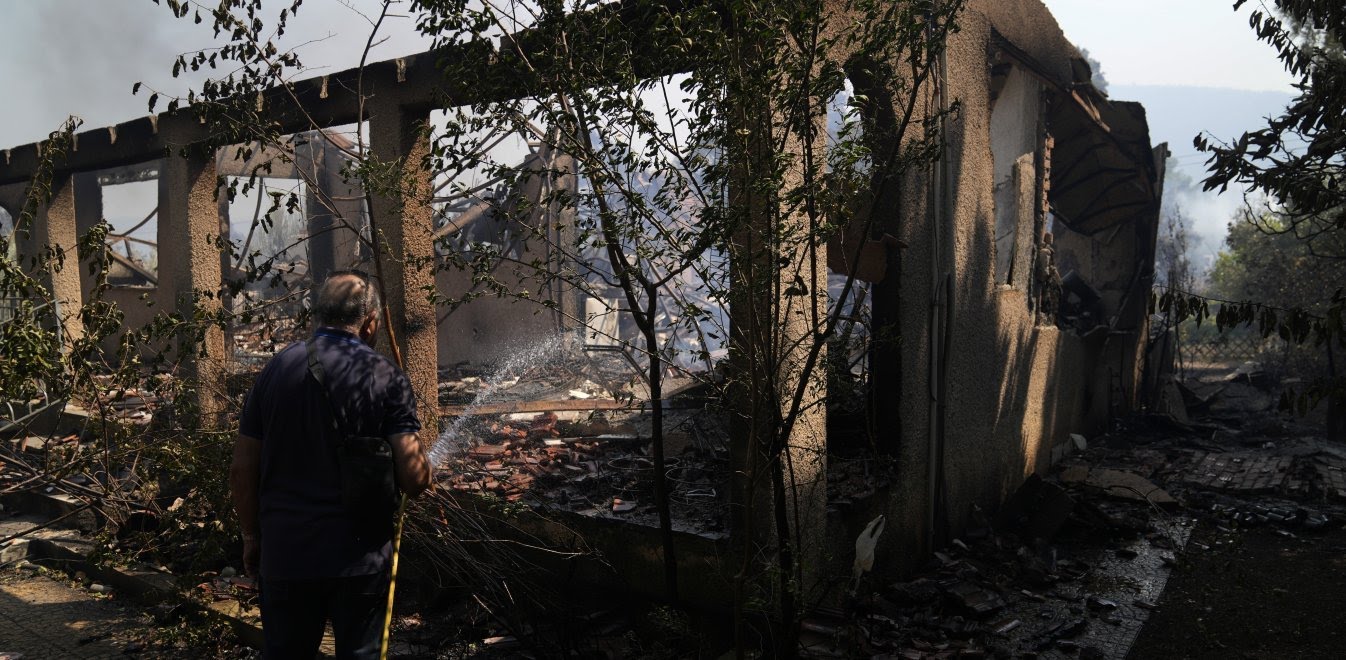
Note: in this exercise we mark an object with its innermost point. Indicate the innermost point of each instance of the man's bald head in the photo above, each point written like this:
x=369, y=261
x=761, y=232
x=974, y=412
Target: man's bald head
x=345, y=300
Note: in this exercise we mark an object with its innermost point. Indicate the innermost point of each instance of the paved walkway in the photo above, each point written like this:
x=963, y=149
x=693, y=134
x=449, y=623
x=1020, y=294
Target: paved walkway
x=46, y=616
x=43, y=618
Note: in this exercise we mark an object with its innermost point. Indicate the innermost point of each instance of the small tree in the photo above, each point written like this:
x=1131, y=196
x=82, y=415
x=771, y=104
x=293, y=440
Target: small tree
x=1298, y=159
x=1297, y=162
x=718, y=186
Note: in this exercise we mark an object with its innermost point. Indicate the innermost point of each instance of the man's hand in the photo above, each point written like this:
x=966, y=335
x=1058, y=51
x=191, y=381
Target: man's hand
x=252, y=557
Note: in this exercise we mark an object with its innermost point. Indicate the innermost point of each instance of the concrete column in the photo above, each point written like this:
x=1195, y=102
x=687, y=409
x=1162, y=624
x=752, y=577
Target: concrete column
x=321, y=217
x=778, y=301
x=189, y=272
x=226, y=259
x=11, y=200
x=403, y=235
x=228, y=302
x=54, y=227
x=348, y=211
x=88, y=212
x=556, y=220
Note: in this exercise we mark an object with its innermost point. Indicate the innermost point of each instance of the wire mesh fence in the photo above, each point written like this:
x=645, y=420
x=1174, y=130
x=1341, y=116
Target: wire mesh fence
x=1232, y=349
x=1272, y=356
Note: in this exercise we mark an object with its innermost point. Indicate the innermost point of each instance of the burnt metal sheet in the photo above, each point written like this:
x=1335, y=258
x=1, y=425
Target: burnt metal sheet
x=1102, y=178
x=1103, y=170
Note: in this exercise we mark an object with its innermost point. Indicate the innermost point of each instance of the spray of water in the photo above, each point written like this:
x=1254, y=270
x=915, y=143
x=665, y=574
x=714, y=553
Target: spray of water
x=457, y=438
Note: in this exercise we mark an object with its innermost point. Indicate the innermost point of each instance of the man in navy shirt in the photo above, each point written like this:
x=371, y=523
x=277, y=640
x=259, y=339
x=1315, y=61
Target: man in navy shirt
x=298, y=537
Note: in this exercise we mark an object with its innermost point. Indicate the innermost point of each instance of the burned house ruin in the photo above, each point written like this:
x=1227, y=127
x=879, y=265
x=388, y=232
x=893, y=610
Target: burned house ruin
x=1016, y=270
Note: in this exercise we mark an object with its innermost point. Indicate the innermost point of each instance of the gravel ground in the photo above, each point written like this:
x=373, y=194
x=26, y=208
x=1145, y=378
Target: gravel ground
x=1255, y=593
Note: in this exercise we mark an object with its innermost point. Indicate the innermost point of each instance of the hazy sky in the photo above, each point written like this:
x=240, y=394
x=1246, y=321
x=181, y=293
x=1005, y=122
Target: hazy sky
x=1172, y=42
x=81, y=57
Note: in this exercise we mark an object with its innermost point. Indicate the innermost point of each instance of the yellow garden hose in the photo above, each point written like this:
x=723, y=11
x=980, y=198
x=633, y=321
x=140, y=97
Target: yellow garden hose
x=402, y=505
x=392, y=580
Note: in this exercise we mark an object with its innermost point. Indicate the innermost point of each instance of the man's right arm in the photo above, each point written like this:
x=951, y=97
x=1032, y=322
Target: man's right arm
x=410, y=466
x=400, y=425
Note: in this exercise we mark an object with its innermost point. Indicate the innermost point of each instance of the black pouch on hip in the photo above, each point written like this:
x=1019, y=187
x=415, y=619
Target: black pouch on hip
x=368, y=490
x=365, y=466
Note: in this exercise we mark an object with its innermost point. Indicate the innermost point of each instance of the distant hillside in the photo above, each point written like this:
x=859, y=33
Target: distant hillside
x=1177, y=114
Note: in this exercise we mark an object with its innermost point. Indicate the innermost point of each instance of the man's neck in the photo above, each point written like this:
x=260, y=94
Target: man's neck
x=337, y=329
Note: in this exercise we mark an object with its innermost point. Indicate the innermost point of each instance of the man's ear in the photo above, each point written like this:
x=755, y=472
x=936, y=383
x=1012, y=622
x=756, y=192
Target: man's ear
x=370, y=328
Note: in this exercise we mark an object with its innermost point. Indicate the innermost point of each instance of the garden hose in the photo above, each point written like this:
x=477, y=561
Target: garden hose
x=402, y=505
x=392, y=579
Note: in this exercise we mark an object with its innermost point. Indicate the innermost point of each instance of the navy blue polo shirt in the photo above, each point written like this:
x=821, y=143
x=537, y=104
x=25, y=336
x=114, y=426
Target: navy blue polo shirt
x=305, y=529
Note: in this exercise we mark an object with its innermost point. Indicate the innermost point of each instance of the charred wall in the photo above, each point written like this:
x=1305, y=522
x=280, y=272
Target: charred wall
x=1004, y=387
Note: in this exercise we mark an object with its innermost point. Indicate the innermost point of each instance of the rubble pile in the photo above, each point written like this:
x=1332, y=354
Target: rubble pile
x=580, y=450
x=1076, y=560
x=563, y=377
x=851, y=481
x=573, y=433
x=1248, y=477
x=254, y=343
x=1065, y=570
x=589, y=464
x=131, y=405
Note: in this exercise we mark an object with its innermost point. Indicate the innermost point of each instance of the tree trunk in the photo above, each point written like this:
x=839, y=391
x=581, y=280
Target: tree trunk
x=657, y=445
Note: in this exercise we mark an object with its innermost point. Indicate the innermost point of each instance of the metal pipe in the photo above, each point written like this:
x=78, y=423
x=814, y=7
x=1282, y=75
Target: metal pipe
x=939, y=294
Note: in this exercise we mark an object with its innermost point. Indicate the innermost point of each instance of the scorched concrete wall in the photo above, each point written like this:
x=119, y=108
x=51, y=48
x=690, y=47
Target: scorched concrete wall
x=1014, y=389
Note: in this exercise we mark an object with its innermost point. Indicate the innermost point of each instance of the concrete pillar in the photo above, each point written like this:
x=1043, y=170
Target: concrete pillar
x=318, y=206
x=570, y=300
x=228, y=302
x=88, y=212
x=556, y=220
x=778, y=301
x=189, y=272
x=403, y=235
x=11, y=200
x=54, y=227
x=346, y=198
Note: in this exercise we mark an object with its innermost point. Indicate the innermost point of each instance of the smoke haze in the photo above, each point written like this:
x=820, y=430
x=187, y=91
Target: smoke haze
x=81, y=57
